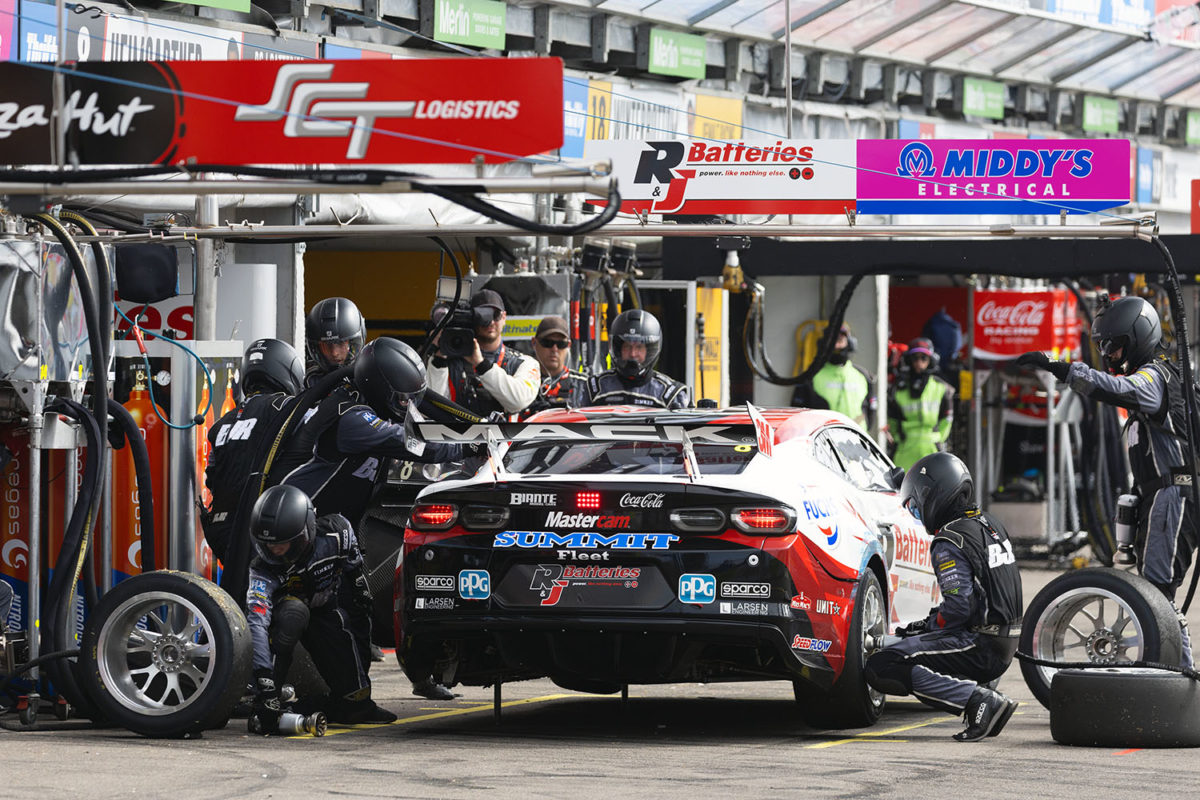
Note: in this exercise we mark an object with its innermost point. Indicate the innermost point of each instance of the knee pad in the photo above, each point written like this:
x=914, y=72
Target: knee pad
x=290, y=620
x=889, y=673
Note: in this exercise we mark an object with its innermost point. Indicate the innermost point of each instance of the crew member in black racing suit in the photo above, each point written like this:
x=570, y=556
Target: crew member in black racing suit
x=334, y=334
x=361, y=425
x=969, y=640
x=272, y=375
x=1145, y=381
x=636, y=341
x=307, y=586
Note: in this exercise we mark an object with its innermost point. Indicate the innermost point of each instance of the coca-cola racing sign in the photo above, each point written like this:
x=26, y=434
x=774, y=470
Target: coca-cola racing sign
x=1008, y=323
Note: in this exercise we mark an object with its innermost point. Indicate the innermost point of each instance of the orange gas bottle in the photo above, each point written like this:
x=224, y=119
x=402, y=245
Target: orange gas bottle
x=204, y=556
x=126, y=514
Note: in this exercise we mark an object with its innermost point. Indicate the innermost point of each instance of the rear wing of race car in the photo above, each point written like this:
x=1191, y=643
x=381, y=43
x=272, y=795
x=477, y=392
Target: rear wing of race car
x=698, y=433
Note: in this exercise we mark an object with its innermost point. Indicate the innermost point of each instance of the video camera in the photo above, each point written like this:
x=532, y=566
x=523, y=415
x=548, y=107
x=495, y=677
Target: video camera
x=458, y=337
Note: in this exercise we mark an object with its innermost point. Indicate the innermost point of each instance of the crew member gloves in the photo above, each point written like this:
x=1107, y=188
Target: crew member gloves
x=1039, y=360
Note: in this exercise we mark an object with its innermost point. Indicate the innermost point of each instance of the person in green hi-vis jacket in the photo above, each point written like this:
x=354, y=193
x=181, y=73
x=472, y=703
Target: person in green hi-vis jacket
x=920, y=406
x=841, y=385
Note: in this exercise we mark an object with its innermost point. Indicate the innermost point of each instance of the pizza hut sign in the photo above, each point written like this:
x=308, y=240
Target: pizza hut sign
x=1008, y=323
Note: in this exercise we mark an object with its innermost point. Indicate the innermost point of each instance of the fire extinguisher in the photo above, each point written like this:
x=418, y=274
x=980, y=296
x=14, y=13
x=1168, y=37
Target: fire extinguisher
x=126, y=513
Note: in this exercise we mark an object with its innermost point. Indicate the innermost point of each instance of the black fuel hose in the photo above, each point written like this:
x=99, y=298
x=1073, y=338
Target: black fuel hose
x=60, y=596
x=141, y=464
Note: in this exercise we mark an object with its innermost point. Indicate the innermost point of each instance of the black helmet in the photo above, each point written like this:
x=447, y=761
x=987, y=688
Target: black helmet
x=922, y=346
x=841, y=355
x=635, y=326
x=390, y=375
x=937, y=490
x=334, y=319
x=283, y=515
x=1130, y=325
x=271, y=365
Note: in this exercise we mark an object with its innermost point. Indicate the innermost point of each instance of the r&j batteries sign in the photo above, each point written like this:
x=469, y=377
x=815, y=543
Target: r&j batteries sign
x=872, y=176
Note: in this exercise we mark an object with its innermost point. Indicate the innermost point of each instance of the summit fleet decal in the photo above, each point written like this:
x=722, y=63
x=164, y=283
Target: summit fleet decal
x=546, y=540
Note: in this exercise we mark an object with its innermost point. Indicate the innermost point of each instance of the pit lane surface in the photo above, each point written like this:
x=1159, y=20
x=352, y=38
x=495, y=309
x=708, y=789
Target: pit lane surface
x=684, y=740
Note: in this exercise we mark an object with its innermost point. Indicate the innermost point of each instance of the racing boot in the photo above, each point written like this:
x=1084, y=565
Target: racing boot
x=987, y=713
x=431, y=690
x=359, y=712
x=376, y=652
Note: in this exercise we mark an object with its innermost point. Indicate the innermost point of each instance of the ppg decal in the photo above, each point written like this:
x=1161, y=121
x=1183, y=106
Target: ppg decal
x=474, y=584
x=697, y=588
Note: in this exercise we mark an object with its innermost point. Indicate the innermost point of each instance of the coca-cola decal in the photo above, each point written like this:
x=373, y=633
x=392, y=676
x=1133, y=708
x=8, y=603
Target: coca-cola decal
x=651, y=500
x=1008, y=323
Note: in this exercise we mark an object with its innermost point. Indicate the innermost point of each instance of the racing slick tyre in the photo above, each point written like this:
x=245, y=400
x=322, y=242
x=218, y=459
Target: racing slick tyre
x=166, y=654
x=1124, y=708
x=1099, y=615
x=851, y=703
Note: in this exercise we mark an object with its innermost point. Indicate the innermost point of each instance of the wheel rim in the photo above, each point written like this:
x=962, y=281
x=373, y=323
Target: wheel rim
x=155, y=653
x=1088, y=624
x=872, y=632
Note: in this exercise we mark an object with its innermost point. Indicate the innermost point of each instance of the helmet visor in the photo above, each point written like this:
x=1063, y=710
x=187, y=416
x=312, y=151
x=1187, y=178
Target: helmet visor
x=282, y=554
x=914, y=508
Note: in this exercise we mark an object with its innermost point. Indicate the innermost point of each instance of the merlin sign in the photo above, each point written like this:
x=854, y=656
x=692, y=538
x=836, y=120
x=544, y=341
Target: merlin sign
x=871, y=176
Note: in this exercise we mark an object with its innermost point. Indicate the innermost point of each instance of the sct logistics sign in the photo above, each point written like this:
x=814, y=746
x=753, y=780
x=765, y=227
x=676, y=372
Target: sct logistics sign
x=333, y=112
x=872, y=176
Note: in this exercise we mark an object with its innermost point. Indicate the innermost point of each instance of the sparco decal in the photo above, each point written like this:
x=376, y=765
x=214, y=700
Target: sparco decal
x=538, y=540
x=815, y=645
x=557, y=519
x=435, y=583
x=652, y=500
x=533, y=499
x=745, y=590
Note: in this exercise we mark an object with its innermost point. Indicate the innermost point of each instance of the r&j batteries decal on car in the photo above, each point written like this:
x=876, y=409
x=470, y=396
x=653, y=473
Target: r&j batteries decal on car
x=591, y=586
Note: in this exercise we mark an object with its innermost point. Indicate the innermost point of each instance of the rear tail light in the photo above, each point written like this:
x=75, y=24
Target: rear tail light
x=764, y=520
x=484, y=518
x=698, y=519
x=433, y=516
x=587, y=500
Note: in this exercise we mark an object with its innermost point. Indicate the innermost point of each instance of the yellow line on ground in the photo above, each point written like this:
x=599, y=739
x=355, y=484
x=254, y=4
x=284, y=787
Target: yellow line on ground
x=454, y=712
x=875, y=736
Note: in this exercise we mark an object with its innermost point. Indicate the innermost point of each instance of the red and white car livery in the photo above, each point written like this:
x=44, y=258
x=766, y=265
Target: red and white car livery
x=612, y=546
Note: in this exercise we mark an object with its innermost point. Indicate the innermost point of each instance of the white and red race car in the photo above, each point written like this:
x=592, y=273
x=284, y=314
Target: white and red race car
x=615, y=546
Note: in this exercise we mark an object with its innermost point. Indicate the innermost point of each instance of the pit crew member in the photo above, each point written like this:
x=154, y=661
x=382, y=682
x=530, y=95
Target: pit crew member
x=636, y=341
x=561, y=386
x=969, y=640
x=841, y=385
x=334, y=334
x=1143, y=379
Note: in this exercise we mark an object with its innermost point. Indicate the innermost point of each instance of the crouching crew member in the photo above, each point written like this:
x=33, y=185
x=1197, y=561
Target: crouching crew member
x=307, y=586
x=970, y=639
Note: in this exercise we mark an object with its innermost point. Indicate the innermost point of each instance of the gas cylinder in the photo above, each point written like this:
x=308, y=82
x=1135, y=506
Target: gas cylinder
x=126, y=514
x=14, y=523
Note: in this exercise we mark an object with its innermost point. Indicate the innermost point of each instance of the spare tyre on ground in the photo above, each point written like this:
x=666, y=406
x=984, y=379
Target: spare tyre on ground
x=166, y=654
x=1097, y=616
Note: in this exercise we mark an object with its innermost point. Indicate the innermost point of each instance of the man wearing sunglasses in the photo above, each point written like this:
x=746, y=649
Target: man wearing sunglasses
x=1142, y=378
x=561, y=386
x=492, y=378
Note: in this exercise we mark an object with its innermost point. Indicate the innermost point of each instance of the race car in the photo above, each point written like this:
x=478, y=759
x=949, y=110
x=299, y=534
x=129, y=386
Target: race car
x=616, y=546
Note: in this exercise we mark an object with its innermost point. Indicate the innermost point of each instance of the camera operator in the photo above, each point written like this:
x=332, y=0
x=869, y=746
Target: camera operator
x=473, y=367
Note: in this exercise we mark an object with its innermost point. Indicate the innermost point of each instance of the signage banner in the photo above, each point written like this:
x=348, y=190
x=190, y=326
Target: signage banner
x=679, y=54
x=138, y=39
x=1009, y=323
x=743, y=177
x=313, y=112
x=39, y=32
x=8, y=29
x=257, y=47
x=1195, y=206
x=715, y=117
x=980, y=176
x=480, y=23
x=983, y=98
x=233, y=5
x=575, y=120
x=1100, y=114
